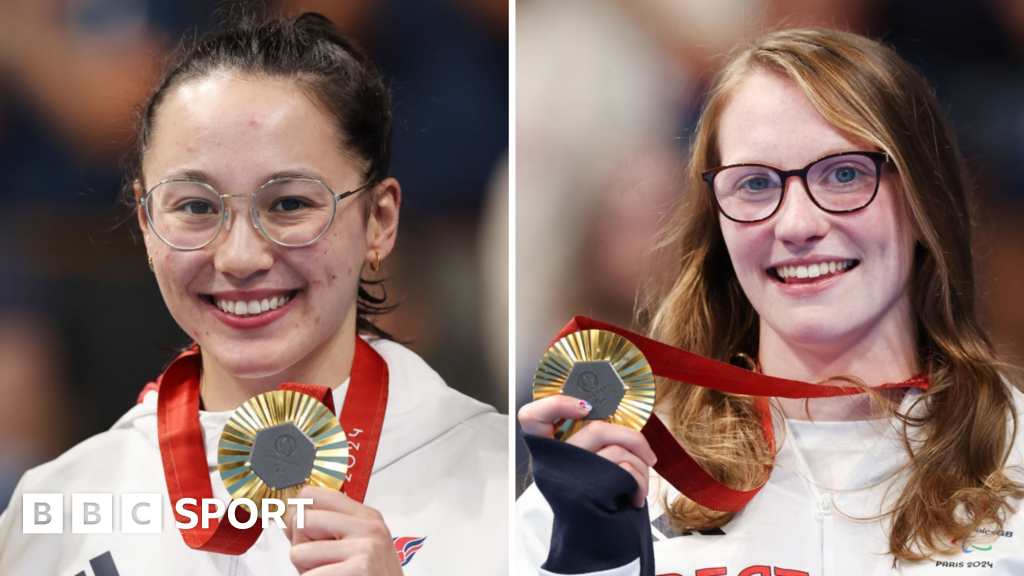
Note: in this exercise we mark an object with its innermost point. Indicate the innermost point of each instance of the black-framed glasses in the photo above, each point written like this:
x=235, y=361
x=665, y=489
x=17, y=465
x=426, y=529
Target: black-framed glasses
x=838, y=184
x=291, y=212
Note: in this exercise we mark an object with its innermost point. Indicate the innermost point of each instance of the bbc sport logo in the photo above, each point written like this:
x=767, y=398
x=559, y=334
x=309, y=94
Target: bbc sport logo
x=94, y=513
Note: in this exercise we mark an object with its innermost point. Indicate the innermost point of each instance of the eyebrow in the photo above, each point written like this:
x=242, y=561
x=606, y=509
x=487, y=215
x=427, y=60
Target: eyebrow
x=830, y=152
x=205, y=178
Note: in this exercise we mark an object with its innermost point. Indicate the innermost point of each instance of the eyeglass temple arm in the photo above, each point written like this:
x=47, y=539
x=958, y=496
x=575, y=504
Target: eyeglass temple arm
x=360, y=189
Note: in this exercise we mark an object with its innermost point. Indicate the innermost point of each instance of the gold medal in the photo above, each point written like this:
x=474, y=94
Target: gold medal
x=602, y=368
x=278, y=442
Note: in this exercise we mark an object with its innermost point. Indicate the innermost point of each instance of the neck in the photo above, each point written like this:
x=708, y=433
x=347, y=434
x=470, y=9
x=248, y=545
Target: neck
x=881, y=355
x=330, y=364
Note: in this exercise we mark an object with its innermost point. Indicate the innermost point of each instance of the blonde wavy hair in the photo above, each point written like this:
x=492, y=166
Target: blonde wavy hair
x=955, y=479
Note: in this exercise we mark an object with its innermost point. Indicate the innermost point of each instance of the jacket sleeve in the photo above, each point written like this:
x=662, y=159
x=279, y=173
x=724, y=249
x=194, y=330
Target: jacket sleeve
x=595, y=529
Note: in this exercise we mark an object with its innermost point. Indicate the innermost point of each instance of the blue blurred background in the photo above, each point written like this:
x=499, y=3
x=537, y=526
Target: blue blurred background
x=607, y=97
x=82, y=325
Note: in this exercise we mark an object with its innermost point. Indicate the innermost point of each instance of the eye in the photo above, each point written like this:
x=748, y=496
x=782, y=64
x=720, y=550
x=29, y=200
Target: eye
x=845, y=175
x=756, y=184
x=289, y=204
x=197, y=207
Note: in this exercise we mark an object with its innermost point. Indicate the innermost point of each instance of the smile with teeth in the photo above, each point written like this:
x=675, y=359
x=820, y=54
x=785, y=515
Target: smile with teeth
x=252, y=307
x=786, y=273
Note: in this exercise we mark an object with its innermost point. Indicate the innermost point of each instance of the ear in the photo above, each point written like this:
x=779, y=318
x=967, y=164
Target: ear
x=140, y=213
x=382, y=224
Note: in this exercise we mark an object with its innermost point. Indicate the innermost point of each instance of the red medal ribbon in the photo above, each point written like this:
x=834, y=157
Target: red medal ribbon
x=184, y=454
x=674, y=463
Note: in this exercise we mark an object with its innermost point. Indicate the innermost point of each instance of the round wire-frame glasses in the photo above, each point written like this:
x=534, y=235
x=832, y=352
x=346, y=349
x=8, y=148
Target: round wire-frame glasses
x=762, y=203
x=208, y=225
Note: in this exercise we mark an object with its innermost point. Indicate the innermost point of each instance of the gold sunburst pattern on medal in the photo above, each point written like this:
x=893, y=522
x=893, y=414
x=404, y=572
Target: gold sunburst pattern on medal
x=598, y=345
x=310, y=416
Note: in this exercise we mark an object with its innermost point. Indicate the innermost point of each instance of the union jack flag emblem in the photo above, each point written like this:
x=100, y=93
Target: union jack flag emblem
x=406, y=547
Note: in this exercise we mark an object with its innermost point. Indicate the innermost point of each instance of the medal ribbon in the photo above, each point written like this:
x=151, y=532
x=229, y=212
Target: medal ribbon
x=676, y=465
x=184, y=454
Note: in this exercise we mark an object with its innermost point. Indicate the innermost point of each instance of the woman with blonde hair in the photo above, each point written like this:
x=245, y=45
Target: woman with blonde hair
x=824, y=237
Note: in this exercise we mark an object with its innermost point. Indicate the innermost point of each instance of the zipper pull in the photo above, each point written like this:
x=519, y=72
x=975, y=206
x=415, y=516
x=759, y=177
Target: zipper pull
x=827, y=535
x=825, y=506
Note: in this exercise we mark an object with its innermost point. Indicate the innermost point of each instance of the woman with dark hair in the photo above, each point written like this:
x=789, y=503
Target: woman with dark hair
x=261, y=186
x=825, y=235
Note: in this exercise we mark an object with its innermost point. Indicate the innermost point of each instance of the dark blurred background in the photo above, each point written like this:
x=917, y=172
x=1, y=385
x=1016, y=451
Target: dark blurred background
x=607, y=97
x=82, y=325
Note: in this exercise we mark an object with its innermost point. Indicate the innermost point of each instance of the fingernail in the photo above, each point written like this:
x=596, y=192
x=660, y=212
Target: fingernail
x=585, y=406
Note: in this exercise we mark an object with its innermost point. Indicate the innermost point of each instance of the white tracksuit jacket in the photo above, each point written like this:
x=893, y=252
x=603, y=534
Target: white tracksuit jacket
x=441, y=471
x=791, y=528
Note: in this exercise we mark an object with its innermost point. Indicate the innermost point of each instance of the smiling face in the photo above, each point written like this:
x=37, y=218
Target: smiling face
x=820, y=281
x=235, y=134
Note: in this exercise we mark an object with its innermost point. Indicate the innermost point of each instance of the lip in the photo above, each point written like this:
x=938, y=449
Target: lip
x=808, y=288
x=250, y=322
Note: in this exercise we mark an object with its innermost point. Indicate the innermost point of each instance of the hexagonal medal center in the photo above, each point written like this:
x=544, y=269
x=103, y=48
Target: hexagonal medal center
x=282, y=456
x=597, y=383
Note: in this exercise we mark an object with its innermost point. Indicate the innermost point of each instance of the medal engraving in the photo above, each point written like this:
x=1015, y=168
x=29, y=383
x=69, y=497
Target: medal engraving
x=282, y=456
x=602, y=368
x=597, y=383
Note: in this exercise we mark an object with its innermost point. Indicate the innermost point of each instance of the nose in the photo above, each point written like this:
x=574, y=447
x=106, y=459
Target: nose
x=240, y=249
x=799, y=222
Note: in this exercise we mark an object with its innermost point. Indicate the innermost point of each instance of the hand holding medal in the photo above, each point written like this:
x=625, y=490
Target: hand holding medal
x=342, y=534
x=595, y=390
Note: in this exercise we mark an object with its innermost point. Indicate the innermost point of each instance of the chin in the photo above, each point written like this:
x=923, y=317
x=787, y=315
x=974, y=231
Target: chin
x=252, y=361
x=811, y=332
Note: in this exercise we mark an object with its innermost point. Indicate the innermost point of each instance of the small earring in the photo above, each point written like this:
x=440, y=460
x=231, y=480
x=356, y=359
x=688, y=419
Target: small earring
x=151, y=269
x=376, y=267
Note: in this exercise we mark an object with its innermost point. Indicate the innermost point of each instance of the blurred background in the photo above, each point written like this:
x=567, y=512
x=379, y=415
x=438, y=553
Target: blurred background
x=82, y=325
x=607, y=97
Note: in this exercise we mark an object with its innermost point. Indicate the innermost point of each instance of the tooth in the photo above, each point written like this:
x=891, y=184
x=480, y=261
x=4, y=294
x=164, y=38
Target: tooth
x=832, y=267
x=801, y=271
x=841, y=265
x=253, y=307
x=264, y=305
x=791, y=271
x=273, y=303
x=823, y=267
x=229, y=306
x=813, y=271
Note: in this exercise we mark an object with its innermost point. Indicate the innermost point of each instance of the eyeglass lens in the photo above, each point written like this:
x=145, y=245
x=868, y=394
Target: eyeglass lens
x=839, y=184
x=189, y=215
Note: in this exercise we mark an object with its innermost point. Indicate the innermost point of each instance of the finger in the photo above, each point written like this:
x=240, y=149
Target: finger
x=330, y=499
x=597, y=435
x=538, y=416
x=309, y=555
x=330, y=525
x=290, y=519
x=634, y=466
x=347, y=558
x=344, y=569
